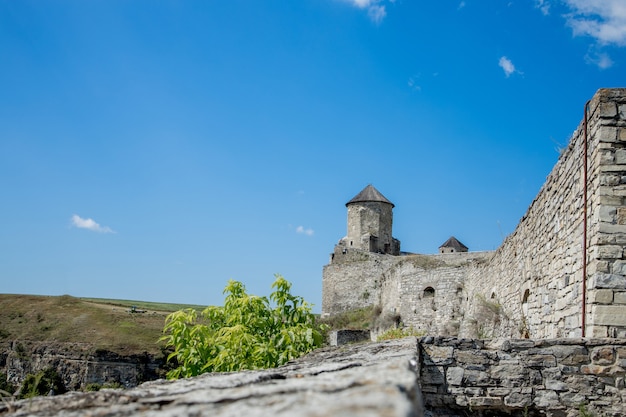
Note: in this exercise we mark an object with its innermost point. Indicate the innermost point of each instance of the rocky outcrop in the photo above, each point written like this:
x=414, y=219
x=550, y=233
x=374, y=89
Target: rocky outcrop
x=428, y=377
x=78, y=364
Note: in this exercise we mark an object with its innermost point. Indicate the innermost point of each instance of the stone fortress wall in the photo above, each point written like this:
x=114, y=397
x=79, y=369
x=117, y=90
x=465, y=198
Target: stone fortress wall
x=532, y=286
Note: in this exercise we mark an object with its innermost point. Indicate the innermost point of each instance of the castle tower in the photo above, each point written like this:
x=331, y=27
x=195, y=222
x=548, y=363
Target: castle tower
x=370, y=219
x=452, y=245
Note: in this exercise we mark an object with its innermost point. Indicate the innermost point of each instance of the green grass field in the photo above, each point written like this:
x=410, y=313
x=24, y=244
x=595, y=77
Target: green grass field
x=103, y=323
x=144, y=305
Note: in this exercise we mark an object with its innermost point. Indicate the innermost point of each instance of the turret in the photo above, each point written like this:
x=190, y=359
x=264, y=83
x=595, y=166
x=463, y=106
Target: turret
x=370, y=219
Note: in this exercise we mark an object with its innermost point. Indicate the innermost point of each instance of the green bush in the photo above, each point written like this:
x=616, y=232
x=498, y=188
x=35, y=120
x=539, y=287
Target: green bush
x=95, y=386
x=5, y=385
x=245, y=333
x=42, y=383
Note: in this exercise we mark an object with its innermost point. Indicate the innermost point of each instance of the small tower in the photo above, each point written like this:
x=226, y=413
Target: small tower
x=452, y=245
x=370, y=219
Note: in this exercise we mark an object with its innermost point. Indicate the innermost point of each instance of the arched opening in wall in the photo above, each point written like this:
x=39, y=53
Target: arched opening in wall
x=493, y=296
x=525, y=333
x=429, y=296
x=525, y=302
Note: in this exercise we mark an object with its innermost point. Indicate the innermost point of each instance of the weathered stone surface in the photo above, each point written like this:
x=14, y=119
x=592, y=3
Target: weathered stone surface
x=365, y=380
x=609, y=315
x=619, y=297
x=485, y=402
x=536, y=377
x=78, y=364
x=609, y=281
x=547, y=399
x=601, y=296
x=391, y=378
x=438, y=355
x=454, y=375
x=603, y=356
x=344, y=336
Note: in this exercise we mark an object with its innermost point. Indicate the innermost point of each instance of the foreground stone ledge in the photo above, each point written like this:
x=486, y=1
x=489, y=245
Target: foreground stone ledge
x=432, y=377
x=377, y=379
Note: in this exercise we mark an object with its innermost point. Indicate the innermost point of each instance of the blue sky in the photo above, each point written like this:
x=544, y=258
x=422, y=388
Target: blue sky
x=152, y=150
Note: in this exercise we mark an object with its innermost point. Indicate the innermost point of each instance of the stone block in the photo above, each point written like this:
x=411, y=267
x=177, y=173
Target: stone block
x=607, y=214
x=613, y=281
x=518, y=344
x=607, y=157
x=555, y=385
x=609, y=252
x=597, y=331
x=518, y=400
x=437, y=355
x=474, y=391
x=572, y=399
x=570, y=355
x=485, y=402
x=454, y=375
x=498, y=392
x=603, y=356
x=593, y=370
x=607, y=110
x=540, y=361
x=461, y=400
x=600, y=266
x=613, y=228
x=622, y=134
x=619, y=267
x=477, y=378
x=572, y=321
x=621, y=110
x=432, y=375
x=619, y=297
x=620, y=154
x=601, y=296
x=345, y=336
x=547, y=399
x=608, y=315
x=471, y=357
x=609, y=179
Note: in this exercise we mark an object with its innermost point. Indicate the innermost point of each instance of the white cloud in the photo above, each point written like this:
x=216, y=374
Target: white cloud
x=89, y=224
x=302, y=230
x=412, y=83
x=600, y=59
x=376, y=9
x=544, y=6
x=362, y=3
x=603, y=20
x=377, y=13
x=506, y=64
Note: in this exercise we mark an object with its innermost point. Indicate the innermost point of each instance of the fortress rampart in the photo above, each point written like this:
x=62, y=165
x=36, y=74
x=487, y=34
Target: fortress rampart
x=532, y=286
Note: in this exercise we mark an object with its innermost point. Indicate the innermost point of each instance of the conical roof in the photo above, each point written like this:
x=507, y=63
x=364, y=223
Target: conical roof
x=369, y=194
x=454, y=243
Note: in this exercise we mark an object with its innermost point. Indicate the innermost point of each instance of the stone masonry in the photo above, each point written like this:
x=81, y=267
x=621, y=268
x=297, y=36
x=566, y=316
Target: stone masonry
x=532, y=286
x=432, y=376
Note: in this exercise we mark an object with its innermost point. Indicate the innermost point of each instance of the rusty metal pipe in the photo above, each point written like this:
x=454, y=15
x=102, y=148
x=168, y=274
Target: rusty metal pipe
x=584, y=291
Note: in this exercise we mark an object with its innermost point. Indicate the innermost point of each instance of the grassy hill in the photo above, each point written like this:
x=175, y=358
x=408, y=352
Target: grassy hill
x=106, y=324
